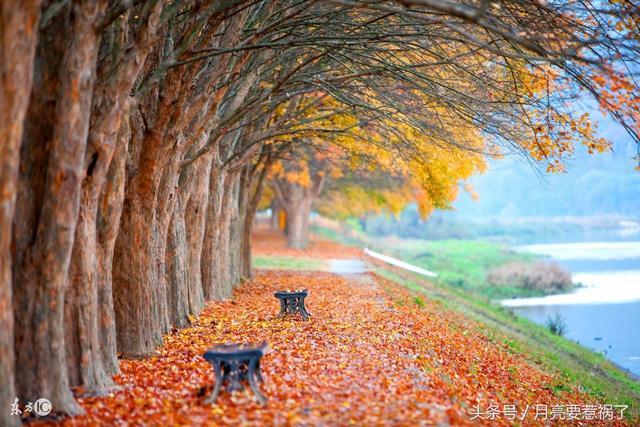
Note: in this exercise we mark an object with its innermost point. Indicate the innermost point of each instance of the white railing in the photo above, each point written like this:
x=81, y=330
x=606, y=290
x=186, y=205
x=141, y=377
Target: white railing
x=401, y=264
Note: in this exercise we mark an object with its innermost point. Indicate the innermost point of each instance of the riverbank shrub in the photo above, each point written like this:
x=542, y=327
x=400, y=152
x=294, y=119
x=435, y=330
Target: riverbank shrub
x=546, y=277
x=556, y=325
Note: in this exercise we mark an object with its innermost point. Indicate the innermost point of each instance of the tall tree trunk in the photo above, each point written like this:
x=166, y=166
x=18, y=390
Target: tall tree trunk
x=175, y=190
x=235, y=228
x=298, y=211
x=90, y=321
x=18, y=36
x=223, y=226
x=135, y=301
x=210, y=261
x=44, y=268
x=110, y=206
x=215, y=255
x=185, y=241
x=166, y=201
x=297, y=201
x=247, y=259
x=176, y=267
x=195, y=216
x=38, y=128
x=82, y=342
x=139, y=300
x=244, y=200
x=275, y=212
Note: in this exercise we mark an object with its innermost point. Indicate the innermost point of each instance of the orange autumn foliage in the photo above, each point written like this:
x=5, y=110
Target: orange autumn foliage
x=368, y=356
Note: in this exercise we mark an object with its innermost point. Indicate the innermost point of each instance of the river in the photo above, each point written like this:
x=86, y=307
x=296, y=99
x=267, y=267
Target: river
x=604, y=313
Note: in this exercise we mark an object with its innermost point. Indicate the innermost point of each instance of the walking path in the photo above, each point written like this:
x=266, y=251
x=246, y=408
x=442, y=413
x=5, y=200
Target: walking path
x=372, y=354
x=368, y=356
x=347, y=266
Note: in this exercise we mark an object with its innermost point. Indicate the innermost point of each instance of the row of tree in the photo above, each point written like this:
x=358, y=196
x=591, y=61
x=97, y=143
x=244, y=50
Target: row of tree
x=137, y=137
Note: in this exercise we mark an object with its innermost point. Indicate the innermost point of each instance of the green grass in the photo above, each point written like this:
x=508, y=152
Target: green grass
x=462, y=263
x=461, y=287
x=288, y=263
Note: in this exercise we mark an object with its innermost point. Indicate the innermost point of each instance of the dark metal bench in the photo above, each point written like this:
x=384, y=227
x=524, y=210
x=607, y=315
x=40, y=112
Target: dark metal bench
x=292, y=303
x=234, y=365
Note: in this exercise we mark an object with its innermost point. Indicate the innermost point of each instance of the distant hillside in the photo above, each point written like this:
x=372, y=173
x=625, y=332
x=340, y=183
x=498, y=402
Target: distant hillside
x=605, y=184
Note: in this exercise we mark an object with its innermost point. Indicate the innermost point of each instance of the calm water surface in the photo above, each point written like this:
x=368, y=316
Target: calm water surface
x=603, y=314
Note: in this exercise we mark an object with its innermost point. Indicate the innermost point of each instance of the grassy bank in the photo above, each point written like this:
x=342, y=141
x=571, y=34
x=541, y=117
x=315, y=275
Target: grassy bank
x=461, y=287
x=573, y=366
x=461, y=264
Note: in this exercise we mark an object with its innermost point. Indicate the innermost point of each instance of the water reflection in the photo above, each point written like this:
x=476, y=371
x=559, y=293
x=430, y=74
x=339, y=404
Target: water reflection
x=613, y=329
x=604, y=314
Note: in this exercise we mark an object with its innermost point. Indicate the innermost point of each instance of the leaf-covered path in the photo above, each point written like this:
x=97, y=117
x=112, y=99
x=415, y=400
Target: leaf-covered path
x=370, y=355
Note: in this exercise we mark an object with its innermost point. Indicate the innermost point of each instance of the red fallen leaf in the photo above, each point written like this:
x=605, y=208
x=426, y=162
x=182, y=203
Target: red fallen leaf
x=347, y=365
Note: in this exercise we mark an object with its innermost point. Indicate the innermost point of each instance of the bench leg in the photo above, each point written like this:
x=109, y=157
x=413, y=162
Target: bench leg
x=303, y=309
x=252, y=382
x=283, y=308
x=216, y=389
x=258, y=372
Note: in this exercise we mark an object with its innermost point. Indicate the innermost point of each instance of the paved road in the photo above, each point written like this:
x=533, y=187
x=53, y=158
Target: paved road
x=347, y=266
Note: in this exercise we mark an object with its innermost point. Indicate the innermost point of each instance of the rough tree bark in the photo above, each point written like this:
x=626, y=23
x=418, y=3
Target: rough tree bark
x=297, y=201
x=38, y=127
x=157, y=174
x=175, y=190
x=43, y=271
x=194, y=217
x=210, y=261
x=216, y=260
x=140, y=307
x=223, y=192
x=18, y=36
x=165, y=202
x=110, y=206
x=237, y=201
x=185, y=241
x=176, y=268
x=225, y=284
x=89, y=304
x=244, y=198
x=151, y=192
x=171, y=236
x=298, y=208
